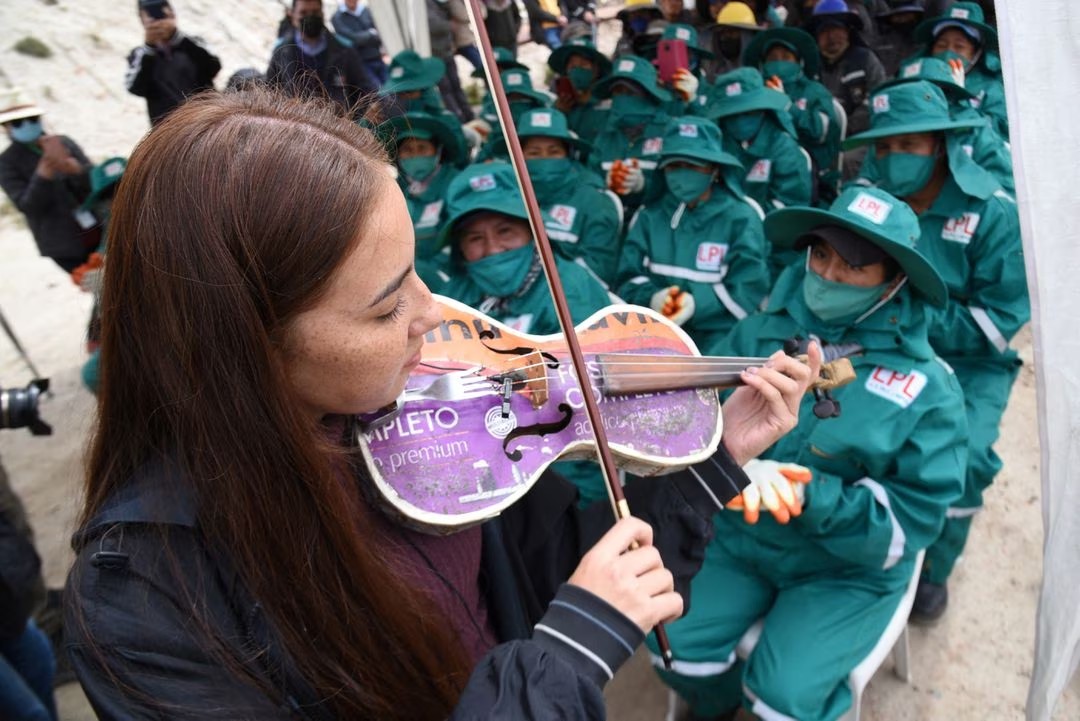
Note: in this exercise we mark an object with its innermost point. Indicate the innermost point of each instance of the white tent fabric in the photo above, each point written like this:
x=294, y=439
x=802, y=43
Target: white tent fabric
x=402, y=25
x=1042, y=82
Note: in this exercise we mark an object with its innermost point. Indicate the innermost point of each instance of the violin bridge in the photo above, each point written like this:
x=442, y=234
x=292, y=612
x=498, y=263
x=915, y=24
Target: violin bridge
x=535, y=372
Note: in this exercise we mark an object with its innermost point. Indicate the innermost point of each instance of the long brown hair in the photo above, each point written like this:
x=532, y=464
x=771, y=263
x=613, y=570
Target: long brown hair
x=232, y=216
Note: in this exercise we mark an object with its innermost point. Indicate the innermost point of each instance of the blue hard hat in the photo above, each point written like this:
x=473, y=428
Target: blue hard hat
x=833, y=10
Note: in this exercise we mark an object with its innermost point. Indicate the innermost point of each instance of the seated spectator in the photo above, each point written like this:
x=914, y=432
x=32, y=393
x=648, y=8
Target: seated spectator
x=736, y=25
x=353, y=22
x=849, y=69
x=789, y=60
x=758, y=132
x=521, y=96
x=896, y=22
x=635, y=16
x=961, y=34
x=697, y=253
x=826, y=569
x=579, y=67
x=687, y=83
x=312, y=61
x=47, y=178
x=412, y=87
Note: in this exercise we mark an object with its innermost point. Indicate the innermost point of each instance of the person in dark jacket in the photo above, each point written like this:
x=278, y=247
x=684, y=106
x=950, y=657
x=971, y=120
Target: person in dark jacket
x=353, y=22
x=312, y=61
x=47, y=177
x=169, y=66
x=234, y=559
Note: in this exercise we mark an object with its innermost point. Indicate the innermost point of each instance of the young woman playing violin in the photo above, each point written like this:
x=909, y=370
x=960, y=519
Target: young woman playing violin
x=232, y=562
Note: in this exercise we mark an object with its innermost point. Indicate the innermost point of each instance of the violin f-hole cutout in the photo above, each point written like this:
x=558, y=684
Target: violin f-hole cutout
x=537, y=429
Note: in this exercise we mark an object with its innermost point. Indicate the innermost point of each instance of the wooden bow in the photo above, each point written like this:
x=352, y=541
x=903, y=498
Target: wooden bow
x=547, y=257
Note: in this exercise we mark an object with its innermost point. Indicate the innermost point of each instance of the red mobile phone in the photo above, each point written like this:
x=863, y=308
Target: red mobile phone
x=564, y=88
x=670, y=56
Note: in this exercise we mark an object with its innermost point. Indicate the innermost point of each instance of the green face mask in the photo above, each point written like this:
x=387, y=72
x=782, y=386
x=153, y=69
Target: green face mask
x=548, y=175
x=519, y=108
x=687, y=184
x=838, y=303
x=744, y=126
x=419, y=167
x=502, y=274
x=904, y=174
x=787, y=71
x=950, y=55
x=429, y=102
x=581, y=78
x=632, y=109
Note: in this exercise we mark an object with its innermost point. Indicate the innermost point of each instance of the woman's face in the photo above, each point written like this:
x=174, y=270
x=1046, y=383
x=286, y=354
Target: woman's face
x=488, y=233
x=415, y=147
x=955, y=40
x=539, y=146
x=826, y=262
x=352, y=352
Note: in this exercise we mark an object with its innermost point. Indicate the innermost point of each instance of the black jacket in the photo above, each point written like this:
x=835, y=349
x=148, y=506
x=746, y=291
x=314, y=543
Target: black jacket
x=850, y=80
x=168, y=76
x=123, y=593
x=360, y=30
x=337, y=72
x=49, y=205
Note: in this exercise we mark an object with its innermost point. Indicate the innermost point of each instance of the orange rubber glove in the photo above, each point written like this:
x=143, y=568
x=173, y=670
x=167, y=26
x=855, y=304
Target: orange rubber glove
x=777, y=486
x=625, y=177
x=775, y=83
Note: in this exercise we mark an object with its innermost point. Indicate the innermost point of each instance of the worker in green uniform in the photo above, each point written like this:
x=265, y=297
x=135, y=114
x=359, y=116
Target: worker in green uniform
x=687, y=83
x=627, y=149
x=697, y=253
x=427, y=155
x=971, y=234
x=962, y=33
x=982, y=143
x=758, y=131
x=495, y=268
x=579, y=67
x=520, y=96
x=789, y=60
x=412, y=86
x=583, y=218
x=853, y=498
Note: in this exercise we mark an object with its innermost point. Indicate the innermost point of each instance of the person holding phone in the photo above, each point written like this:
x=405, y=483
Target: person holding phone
x=169, y=66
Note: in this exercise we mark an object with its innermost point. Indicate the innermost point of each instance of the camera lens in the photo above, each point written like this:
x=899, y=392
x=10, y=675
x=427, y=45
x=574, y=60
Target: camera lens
x=19, y=407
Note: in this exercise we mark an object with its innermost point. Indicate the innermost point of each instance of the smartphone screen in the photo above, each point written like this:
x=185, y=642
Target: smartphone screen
x=670, y=56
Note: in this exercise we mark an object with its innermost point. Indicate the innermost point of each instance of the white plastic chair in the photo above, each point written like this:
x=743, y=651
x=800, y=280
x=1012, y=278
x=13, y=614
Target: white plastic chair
x=894, y=639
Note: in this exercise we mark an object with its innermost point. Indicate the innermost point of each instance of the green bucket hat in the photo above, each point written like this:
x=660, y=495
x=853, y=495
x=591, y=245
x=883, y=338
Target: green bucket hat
x=549, y=123
x=518, y=82
x=743, y=91
x=424, y=127
x=409, y=71
x=914, y=107
x=579, y=46
x=875, y=216
x=638, y=70
x=695, y=139
x=485, y=186
x=504, y=60
x=934, y=70
x=104, y=176
x=965, y=16
x=689, y=35
x=796, y=40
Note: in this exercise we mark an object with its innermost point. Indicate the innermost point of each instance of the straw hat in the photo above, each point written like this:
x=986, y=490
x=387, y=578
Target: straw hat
x=16, y=105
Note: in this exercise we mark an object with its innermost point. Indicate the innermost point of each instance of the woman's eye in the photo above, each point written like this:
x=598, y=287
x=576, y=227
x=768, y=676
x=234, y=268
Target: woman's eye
x=395, y=312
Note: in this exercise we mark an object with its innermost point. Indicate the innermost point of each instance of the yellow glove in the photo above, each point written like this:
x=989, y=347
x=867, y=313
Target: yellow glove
x=777, y=486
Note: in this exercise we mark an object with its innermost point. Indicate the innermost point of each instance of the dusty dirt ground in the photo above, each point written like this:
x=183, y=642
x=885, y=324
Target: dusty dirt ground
x=975, y=665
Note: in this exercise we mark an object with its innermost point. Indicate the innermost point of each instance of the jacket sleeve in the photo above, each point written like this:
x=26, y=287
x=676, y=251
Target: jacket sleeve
x=791, y=184
x=635, y=284
x=997, y=305
x=876, y=522
x=993, y=106
x=815, y=119
x=207, y=65
x=360, y=37
x=33, y=195
x=139, y=78
x=600, y=235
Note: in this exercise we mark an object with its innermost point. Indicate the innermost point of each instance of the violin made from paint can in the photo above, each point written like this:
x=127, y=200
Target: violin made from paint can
x=488, y=409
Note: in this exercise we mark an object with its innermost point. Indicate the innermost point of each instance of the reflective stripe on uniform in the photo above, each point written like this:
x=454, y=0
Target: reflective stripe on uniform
x=899, y=538
x=855, y=75
x=764, y=711
x=779, y=205
x=581, y=261
x=584, y=651
x=725, y=298
x=696, y=669
x=563, y=235
x=982, y=319
x=675, y=271
x=638, y=280
x=962, y=512
x=618, y=204
x=825, y=127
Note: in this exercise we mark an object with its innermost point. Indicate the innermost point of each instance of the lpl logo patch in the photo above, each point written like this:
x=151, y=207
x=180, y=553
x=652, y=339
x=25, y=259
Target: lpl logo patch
x=881, y=103
x=710, y=256
x=801, y=103
x=873, y=209
x=760, y=171
x=563, y=215
x=733, y=89
x=652, y=146
x=482, y=183
x=625, y=66
x=541, y=119
x=962, y=229
x=688, y=130
x=430, y=215
x=899, y=388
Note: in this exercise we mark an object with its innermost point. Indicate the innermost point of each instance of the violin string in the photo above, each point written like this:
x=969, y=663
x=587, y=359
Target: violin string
x=695, y=361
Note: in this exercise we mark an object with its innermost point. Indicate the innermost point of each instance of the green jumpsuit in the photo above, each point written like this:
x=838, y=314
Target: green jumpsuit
x=612, y=144
x=971, y=234
x=813, y=113
x=716, y=251
x=777, y=169
x=827, y=583
x=427, y=208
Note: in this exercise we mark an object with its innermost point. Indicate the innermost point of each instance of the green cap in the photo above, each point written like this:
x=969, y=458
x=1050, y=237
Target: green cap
x=914, y=107
x=485, y=186
x=104, y=176
x=934, y=70
x=579, y=46
x=549, y=123
x=874, y=215
x=796, y=40
x=518, y=82
x=965, y=16
x=409, y=71
x=742, y=91
x=695, y=139
x=504, y=60
x=426, y=127
x=635, y=69
x=688, y=34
